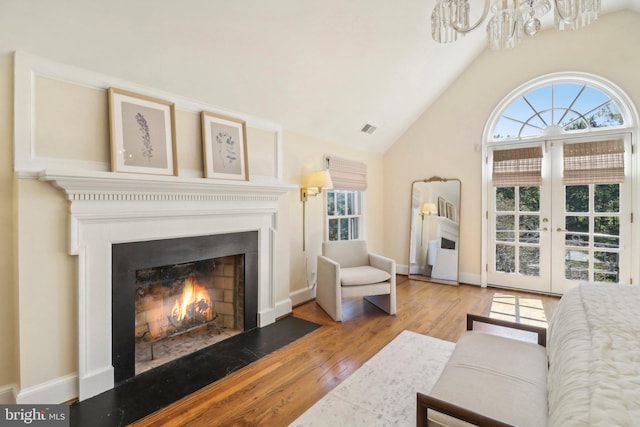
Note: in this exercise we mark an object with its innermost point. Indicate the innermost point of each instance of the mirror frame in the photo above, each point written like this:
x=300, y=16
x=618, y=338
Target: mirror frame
x=459, y=213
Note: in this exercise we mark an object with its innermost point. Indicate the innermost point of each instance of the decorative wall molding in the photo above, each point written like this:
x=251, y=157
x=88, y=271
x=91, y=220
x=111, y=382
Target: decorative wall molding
x=27, y=67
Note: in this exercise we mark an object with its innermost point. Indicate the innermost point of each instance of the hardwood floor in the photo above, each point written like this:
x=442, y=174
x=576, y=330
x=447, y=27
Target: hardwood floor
x=278, y=388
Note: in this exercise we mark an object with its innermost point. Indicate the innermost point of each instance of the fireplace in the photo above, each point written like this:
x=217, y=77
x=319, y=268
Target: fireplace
x=111, y=211
x=172, y=297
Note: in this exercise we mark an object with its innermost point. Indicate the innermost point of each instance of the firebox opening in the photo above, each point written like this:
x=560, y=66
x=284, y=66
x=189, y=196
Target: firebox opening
x=182, y=308
x=161, y=267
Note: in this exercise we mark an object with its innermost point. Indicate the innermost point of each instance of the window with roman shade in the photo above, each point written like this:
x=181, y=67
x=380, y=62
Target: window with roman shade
x=600, y=162
x=517, y=167
x=347, y=174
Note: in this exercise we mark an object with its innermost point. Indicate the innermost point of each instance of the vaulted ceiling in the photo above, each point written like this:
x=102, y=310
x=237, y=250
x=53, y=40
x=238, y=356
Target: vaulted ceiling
x=324, y=68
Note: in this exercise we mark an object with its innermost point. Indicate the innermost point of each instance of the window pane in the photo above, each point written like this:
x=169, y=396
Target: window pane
x=577, y=198
x=577, y=231
x=529, y=199
x=341, y=205
x=607, y=198
x=355, y=229
x=344, y=229
x=333, y=229
x=606, y=231
x=576, y=265
x=350, y=204
x=505, y=228
x=530, y=261
x=529, y=225
x=505, y=199
x=331, y=203
x=505, y=258
x=606, y=267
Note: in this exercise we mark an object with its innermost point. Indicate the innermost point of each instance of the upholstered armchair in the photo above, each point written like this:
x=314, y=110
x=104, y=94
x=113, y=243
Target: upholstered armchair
x=347, y=269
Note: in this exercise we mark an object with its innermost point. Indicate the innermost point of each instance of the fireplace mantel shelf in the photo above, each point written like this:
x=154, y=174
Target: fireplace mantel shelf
x=86, y=186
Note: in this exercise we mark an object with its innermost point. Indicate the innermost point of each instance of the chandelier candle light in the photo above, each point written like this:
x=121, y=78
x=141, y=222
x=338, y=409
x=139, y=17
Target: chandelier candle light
x=510, y=20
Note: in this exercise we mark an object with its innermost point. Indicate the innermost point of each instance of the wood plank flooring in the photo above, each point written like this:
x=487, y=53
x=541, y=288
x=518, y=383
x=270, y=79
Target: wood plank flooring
x=278, y=388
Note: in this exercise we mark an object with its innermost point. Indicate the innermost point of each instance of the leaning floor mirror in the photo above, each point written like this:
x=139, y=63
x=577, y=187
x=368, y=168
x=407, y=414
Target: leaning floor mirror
x=435, y=230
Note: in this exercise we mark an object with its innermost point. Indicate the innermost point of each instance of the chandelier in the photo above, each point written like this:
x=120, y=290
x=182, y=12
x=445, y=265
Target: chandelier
x=510, y=20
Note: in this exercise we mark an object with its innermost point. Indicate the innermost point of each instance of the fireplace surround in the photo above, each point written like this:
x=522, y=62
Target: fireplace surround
x=176, y=258
x=113, y=208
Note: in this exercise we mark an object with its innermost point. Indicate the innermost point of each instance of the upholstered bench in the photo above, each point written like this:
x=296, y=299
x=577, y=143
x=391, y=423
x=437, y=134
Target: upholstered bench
x=490, y=380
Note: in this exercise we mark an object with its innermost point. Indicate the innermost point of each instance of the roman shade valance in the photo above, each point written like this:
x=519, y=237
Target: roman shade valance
x=347, y=174
x=600, y=162
x=517, y=167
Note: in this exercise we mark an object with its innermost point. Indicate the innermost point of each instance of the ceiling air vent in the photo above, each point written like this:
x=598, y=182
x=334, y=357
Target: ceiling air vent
x=368, y=129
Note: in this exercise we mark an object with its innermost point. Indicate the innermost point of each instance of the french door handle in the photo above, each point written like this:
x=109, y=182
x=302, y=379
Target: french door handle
x=560, y=229
x=543, y=229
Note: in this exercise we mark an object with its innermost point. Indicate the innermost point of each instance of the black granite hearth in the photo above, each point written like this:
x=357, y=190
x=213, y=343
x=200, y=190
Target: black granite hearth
x=146, y=393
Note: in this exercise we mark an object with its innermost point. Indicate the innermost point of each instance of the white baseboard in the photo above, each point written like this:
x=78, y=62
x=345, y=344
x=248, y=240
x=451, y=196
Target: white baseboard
x=469, y=278
x=402, y=269
x=8, y=394
x=302, y=295
x=59, y=390
x=283, y=308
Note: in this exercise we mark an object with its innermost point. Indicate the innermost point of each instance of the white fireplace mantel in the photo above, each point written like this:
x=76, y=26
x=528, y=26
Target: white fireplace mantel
x=109, y=208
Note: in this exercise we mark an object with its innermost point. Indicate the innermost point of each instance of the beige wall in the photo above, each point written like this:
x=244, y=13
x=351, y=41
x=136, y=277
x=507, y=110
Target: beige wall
x=8, y=295
x=302, y=155
x=441, y=142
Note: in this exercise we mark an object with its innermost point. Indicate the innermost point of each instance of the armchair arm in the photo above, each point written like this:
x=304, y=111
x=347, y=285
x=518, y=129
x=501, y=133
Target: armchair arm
x=328, y=293
x=426, y=402
x=383, y=263
x=541, y=332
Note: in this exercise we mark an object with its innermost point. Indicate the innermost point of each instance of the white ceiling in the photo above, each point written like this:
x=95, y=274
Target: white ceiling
x=323, y=68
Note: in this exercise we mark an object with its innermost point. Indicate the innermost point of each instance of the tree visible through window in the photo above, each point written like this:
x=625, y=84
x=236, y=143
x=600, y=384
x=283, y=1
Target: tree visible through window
x=557, y=108
x=344, y=214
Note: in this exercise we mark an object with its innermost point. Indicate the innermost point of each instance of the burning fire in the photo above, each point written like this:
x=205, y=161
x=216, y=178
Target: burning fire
x=195, y=302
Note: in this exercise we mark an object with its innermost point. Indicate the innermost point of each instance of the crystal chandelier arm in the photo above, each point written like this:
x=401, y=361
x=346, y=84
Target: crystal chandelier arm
x=485, y=12
x=564, y=19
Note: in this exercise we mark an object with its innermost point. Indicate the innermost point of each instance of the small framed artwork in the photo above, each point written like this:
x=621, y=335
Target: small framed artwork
x=442, y=207
x=143, y=138
x=451, y=211
x=224, y=142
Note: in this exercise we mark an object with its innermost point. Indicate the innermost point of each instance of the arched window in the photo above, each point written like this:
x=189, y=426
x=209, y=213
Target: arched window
x=566, y=104
x=558, y=185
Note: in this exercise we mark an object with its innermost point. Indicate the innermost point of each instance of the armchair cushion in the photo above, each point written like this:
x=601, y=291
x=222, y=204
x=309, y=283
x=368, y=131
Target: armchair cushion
x=363, y=275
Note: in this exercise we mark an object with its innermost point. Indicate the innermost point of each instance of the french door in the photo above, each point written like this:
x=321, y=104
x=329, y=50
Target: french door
x=561, y=217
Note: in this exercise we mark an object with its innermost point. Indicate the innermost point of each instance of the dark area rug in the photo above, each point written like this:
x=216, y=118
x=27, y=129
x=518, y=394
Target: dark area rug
x=159, y=387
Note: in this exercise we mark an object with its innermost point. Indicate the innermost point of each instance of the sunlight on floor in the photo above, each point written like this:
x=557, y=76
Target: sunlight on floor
x=517, y=309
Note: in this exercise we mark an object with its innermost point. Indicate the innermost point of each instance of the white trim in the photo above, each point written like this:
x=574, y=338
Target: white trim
x=8, y=394
x=58, y=390
x=469, y=278
x=632, y=122
x=302, y=295
x=27, y=67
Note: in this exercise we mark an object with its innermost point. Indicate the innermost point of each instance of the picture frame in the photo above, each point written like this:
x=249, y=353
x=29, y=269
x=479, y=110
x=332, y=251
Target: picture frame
x=142, y=134
x=451, y=211
x=442, y=206
x=224, y=143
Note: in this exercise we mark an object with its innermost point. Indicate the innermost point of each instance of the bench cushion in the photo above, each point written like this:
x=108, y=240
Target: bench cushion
x=364, y=275
x=502, y=378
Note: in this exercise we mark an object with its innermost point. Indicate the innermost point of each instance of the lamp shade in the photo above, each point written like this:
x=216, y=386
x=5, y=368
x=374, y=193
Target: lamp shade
x=320, y=179
x=428, y=209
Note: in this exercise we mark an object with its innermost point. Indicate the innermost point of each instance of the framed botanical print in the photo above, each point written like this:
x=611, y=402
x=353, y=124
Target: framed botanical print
x=224, y=142
x=142, y=134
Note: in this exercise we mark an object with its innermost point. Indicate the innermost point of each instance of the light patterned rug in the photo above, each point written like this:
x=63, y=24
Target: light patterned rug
x=382, y=392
